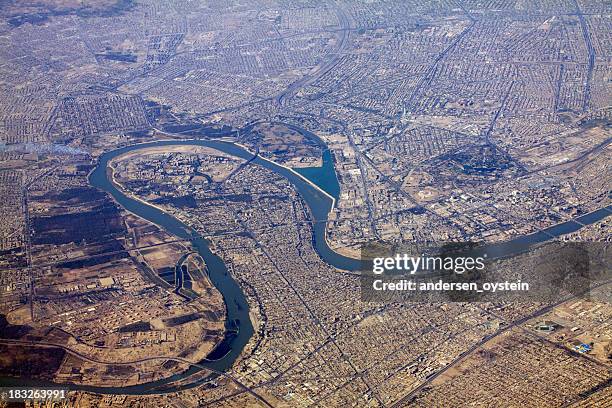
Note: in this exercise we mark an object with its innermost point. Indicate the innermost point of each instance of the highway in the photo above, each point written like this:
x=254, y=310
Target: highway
x=134, y=362
x=326, y=66
x=407, y=398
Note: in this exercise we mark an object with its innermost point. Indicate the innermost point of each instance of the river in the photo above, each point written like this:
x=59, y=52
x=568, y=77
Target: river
x=238, y=324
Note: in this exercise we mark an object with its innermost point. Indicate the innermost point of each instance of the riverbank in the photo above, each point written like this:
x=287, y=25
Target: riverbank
x=256, y=154
x=238, y=310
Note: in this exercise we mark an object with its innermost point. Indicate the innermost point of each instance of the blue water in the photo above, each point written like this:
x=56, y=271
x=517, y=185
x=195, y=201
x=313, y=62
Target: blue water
x=324, y=176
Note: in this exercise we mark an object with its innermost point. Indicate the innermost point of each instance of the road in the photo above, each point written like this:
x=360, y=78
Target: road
x=591, y=58
x=406, y=399
x=325, y=67
x=139, y=361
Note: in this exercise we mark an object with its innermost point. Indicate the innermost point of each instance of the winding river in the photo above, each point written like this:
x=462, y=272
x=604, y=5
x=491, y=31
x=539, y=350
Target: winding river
x=318, y=189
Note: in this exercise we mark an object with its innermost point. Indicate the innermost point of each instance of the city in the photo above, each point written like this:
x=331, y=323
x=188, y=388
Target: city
x=189, y=188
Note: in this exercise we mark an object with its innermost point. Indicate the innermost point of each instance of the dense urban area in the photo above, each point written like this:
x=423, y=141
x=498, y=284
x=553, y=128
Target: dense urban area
x=181, y=182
